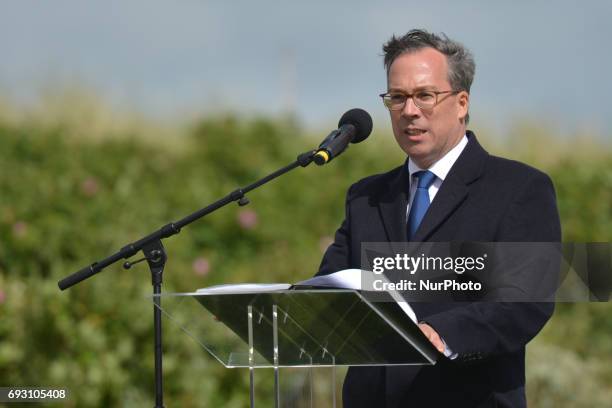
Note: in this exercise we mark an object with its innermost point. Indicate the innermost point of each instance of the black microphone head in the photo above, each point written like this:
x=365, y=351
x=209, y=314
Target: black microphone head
x=362, y=122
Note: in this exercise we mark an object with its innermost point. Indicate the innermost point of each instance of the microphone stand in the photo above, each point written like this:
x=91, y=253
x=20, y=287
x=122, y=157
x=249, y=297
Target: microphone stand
x=155, y=255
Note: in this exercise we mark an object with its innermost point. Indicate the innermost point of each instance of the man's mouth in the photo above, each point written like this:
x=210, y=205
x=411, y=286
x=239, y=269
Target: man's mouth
x=414, y=131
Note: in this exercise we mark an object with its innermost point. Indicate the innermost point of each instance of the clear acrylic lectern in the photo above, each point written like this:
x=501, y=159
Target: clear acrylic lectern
x=299, y=328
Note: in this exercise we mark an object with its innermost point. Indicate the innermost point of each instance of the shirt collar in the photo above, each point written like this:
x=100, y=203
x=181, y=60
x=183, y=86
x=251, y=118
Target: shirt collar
x=442, y=166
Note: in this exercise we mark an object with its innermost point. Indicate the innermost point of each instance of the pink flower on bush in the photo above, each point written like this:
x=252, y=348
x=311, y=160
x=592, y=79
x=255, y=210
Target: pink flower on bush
x=90, y=187
x=247, y=219
x=324, y=242
x=20, y=229
x=2, y=296
x=201, y=266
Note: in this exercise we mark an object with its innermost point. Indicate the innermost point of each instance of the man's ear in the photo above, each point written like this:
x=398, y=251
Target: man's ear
x=463, y=105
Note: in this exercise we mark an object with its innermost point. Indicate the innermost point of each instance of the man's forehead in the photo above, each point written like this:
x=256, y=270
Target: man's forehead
x=421, y=68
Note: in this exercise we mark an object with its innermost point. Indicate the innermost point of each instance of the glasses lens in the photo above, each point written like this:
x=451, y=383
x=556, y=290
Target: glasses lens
x=394, y=101
x=425, y=99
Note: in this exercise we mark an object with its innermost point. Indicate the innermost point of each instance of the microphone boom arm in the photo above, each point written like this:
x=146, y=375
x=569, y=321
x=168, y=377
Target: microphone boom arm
x=174, y=228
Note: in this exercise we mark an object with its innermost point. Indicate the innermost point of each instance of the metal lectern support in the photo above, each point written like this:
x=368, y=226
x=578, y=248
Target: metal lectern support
x=333, y=381
x=275, y=340
x=251, y=360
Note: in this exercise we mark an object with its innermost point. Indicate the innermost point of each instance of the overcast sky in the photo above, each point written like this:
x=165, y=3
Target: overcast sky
x=543, y=59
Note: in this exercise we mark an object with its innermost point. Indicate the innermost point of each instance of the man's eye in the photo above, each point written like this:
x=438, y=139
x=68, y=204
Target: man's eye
x=397, y=97
x=425, y=96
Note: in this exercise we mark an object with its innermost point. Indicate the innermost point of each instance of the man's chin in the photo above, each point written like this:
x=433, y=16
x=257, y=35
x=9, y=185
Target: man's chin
x=420, y=157
x=416, y=150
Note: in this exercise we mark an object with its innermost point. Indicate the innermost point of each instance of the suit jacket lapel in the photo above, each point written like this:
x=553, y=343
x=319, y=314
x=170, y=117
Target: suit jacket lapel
x=454, y=189
x=392, y=207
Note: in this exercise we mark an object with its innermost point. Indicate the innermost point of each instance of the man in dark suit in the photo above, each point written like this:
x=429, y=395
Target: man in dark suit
x=450, y=189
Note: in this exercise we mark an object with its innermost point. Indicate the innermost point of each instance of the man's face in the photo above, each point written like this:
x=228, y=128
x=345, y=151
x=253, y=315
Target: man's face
x=426, y=135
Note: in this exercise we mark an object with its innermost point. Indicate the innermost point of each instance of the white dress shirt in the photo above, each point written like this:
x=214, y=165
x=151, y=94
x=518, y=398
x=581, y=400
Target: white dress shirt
x=439, y=168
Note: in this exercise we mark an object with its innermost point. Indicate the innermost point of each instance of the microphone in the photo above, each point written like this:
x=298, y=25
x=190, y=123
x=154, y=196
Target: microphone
x=354, y=126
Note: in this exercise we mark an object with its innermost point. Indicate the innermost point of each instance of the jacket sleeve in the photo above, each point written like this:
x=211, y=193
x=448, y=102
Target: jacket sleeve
x=477, y=330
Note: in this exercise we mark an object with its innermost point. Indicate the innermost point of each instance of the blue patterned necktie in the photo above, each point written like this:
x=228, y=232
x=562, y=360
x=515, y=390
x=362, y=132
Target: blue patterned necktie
x=420, y=203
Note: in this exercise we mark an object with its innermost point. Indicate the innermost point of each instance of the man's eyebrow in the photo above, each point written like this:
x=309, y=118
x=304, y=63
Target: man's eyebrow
x=418, y=88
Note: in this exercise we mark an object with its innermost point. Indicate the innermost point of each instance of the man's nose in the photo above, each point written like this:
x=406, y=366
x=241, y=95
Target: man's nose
x=410, y=108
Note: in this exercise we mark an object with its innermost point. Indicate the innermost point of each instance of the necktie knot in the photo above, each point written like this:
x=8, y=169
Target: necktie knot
x=426, y=178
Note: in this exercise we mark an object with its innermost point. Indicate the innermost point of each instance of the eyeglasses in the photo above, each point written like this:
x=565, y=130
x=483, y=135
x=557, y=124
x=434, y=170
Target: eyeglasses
x=424, y=100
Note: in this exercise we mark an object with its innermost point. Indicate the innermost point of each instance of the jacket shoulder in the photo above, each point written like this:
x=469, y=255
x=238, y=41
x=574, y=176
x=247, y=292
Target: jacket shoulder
x=513, y=171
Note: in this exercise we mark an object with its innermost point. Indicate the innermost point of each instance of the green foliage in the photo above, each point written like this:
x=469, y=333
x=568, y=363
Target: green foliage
x=66, y=201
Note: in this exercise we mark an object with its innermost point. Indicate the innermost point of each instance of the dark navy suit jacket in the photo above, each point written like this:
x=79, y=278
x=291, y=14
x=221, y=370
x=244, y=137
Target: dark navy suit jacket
x=484, y=198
